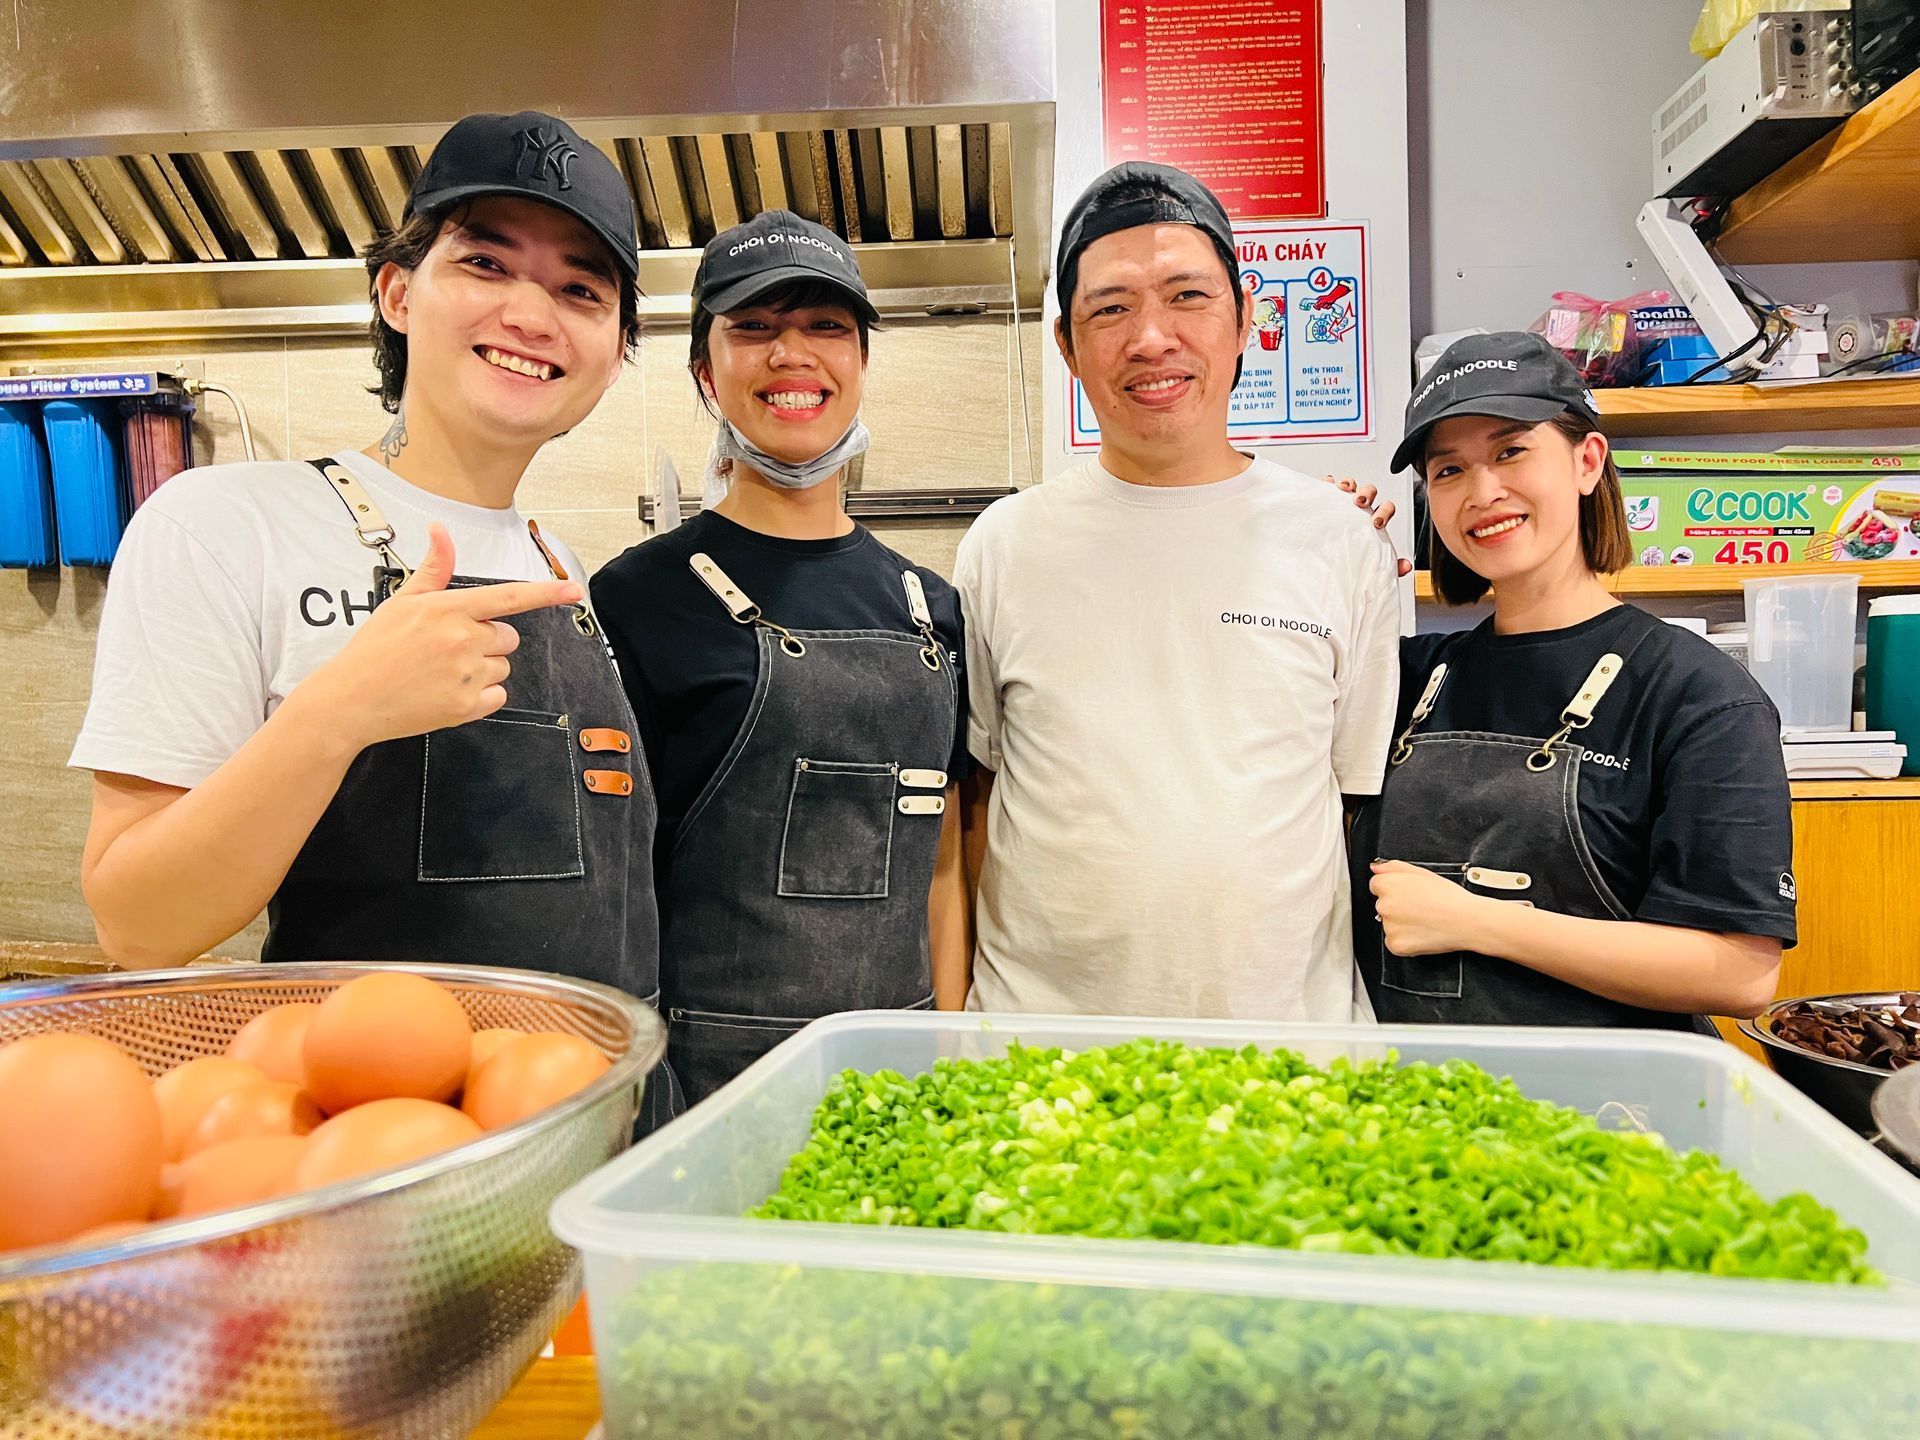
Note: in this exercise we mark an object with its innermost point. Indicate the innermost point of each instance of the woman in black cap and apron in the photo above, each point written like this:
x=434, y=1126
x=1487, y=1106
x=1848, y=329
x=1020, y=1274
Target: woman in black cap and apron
x=797, y=687
x=1585, y=817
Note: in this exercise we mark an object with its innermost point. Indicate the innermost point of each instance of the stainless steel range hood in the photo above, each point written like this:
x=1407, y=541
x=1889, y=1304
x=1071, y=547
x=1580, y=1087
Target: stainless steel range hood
x=180, y=167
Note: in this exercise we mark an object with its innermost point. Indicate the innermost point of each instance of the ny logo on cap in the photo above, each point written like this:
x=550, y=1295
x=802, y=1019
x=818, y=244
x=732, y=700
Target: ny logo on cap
x=550, y=153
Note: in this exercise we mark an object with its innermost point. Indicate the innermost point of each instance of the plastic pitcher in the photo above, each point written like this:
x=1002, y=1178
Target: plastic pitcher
x=1800, y=647
x=1893, y=672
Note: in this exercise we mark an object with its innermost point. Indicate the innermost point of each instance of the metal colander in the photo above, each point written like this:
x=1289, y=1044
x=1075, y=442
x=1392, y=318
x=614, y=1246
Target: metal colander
x=400, y=1305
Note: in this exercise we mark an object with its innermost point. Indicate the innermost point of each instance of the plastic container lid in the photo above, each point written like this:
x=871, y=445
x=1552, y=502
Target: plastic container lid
x=1837, y=581
x=1894, y=605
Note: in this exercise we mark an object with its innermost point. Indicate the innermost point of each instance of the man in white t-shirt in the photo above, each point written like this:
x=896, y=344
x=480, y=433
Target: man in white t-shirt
x=1181, y=658
x=363, y=691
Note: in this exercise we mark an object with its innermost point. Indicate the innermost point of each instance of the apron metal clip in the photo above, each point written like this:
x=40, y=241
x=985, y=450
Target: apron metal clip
x=1579, y=712
x=1403, y=747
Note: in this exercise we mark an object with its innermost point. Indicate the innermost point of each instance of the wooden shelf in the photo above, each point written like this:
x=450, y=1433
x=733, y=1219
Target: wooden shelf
x=1653, y=580
x=1891, y=403
x=1904, y=788
x=1849, y=196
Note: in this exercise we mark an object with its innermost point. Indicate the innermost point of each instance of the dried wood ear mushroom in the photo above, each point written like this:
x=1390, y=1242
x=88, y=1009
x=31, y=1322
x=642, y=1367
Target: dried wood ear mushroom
x=1885, y=1035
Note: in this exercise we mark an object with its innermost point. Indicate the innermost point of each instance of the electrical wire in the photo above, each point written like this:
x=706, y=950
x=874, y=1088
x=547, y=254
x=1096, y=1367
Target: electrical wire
x=1885, y=360
x=1767, y=316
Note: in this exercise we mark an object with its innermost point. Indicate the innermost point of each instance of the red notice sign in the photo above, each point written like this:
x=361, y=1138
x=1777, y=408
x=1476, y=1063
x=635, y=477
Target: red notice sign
x=1226, y=89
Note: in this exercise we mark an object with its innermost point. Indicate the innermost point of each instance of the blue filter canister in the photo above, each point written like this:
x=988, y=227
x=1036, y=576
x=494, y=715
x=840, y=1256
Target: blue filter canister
x=89, y=485
x=26, y=490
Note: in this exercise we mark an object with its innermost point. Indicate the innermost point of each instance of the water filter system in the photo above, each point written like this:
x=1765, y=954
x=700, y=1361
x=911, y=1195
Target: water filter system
x=80, y=452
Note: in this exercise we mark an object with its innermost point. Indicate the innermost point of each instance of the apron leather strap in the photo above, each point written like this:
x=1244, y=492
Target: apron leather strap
x=369, y=523
x=740, y=604
x=1579, y=710
x=376, y=532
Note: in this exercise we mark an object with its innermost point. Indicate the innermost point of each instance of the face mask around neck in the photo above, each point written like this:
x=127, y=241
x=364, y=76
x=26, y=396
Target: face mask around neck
x=730, y=444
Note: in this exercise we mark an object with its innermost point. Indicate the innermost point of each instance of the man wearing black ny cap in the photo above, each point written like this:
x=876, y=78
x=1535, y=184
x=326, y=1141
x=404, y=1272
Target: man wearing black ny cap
x=1586, y=818
x=298, y=704
x=1181, y=655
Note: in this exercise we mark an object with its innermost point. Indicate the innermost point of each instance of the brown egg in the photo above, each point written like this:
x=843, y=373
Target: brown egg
x=271, y=1108
x=271, y=1041
x=486, y=1044
x=225, y=1176
x=528, y=1074
x=385, y=1037
x=381, y=1135
x=80, y=1138
x=188, y=1091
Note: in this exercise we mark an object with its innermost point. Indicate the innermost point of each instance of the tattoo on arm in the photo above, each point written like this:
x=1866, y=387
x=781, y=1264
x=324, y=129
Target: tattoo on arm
x=395, y=440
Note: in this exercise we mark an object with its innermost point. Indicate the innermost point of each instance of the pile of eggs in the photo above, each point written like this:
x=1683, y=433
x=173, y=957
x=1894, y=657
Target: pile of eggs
x=385, y=1071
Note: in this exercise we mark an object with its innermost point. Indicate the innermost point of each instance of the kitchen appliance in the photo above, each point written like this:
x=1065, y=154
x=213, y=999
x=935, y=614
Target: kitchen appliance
x=1160, y=1338
x=1830, y=755
x=1893, y=671
x=395, y=1307
x=1785, y=79
x=1800, y=647
x=256, y=157
x=1886, y=42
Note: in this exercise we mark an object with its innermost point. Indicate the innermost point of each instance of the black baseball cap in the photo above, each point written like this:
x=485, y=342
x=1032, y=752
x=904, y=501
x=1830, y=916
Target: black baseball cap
x=1138, y=192
x=775, y=248
x=1511, y=374
x=538, y=157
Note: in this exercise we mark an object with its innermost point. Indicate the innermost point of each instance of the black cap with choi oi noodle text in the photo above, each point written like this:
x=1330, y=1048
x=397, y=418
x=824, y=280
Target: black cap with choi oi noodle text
x=773, y=249
x=1511, y=374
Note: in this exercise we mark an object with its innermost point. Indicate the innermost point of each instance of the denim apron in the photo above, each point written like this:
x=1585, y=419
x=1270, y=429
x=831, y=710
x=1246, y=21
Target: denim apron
x=522, y=839
x=797, y=883
x=1498, y=815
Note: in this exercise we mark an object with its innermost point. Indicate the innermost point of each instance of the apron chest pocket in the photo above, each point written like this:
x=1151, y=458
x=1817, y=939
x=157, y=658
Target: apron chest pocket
x=1438, y=977
x=500, y=801
x=838, y=843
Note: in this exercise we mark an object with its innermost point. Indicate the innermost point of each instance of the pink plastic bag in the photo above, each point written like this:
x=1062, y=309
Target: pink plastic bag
x=1594, y=334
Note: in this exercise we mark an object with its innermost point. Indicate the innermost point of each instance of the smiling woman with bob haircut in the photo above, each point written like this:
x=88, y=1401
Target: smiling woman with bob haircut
x=1585, y=819
x=797, y=686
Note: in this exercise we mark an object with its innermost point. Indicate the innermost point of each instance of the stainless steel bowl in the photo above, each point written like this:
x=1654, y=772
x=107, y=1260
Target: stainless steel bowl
x=1842, y=1087
x=1896, y=1109
x=399, y=1305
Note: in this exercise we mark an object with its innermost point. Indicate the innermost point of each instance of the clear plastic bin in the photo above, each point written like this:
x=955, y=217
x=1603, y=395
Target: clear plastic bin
x=710, y=1325
x=1800, y=647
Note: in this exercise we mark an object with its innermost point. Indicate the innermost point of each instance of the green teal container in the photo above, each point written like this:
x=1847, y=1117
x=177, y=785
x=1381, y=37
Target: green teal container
x=1893, y=672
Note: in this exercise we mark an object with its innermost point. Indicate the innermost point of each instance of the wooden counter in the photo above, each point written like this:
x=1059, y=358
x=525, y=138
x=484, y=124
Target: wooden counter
x=558, y=1400
x=1856, y=858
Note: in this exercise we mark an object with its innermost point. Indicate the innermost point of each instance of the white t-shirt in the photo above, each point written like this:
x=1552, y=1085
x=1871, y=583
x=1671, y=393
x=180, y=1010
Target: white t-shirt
x=234, y=583
x=1175, y=686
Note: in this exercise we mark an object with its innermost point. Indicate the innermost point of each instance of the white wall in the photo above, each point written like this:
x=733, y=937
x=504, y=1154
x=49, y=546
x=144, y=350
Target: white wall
x=1530, y=150
x=1364, y=49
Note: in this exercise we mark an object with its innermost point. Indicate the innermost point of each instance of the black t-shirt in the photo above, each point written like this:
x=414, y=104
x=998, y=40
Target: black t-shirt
x=689, y=668
x=1683, y=789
